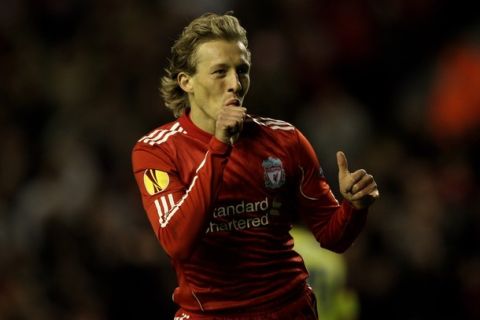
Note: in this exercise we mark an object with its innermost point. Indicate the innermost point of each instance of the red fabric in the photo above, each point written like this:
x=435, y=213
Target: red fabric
x=225, y=214
x=301, y=307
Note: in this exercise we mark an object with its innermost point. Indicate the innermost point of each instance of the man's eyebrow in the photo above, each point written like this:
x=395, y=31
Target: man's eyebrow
x=224, y=65
x=219, y=65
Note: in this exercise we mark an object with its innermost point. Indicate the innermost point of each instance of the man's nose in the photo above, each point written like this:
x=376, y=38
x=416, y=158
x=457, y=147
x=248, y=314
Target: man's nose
x=234, y=84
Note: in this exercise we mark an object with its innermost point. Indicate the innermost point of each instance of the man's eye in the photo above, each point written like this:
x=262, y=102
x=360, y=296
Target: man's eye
x=219, y=71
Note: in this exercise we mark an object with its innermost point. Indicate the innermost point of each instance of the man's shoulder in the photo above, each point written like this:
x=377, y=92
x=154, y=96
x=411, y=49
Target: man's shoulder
x=270, y=125
x=162, y=135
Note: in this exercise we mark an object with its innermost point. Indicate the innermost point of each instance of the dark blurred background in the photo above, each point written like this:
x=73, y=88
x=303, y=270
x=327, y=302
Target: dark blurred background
x=394, y=83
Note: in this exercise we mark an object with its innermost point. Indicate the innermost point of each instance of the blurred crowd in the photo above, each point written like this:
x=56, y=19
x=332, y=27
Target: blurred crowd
x=395, y=84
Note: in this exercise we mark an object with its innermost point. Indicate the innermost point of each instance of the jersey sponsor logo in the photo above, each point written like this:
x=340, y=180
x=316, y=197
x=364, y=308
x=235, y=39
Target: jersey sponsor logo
x=155, y=181
x=183, y=316
x=274, y=174
x=242, y=207
x=239, y=224
x=241, y=216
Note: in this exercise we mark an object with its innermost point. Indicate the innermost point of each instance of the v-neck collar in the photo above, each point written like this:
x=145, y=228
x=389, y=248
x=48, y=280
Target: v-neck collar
x=192, y=129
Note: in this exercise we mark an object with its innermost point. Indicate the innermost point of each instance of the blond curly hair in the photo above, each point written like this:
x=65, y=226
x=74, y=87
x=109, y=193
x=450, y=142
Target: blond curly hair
x=207, y=27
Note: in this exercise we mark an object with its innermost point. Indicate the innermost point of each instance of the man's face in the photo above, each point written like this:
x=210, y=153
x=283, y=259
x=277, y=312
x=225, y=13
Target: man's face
x=222, y=77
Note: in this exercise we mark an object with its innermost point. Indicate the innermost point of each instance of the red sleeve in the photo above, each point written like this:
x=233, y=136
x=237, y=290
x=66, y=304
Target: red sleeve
x=178, y=212
x=334, y=225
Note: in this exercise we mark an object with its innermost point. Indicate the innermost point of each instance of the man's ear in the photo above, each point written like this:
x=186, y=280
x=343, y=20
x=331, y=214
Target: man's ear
x=185, y=82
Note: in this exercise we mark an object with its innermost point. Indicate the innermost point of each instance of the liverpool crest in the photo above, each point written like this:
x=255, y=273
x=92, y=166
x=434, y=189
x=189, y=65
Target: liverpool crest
x=274, y=174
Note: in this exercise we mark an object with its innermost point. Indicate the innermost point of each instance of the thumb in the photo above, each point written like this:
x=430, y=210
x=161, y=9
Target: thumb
x=342, y=164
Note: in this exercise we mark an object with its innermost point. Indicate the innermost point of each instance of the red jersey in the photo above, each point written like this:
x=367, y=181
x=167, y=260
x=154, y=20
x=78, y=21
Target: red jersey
x=223, y=213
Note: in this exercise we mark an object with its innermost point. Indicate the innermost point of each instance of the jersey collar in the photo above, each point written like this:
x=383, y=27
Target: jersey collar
x=192, y=129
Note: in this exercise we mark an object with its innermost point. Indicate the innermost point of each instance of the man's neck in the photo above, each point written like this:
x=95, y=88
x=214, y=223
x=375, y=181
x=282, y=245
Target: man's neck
x=202, y=120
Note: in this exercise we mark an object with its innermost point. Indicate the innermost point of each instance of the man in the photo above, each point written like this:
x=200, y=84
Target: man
x=221, y=187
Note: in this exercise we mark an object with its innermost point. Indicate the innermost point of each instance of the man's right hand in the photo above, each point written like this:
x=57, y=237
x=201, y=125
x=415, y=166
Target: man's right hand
x=230, y=123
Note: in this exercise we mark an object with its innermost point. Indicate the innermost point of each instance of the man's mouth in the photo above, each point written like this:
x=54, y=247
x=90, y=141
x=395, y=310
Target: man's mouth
x=233, y=102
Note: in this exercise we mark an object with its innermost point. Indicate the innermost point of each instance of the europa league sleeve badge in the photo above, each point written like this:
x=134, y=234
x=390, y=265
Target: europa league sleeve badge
x=155, y=181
